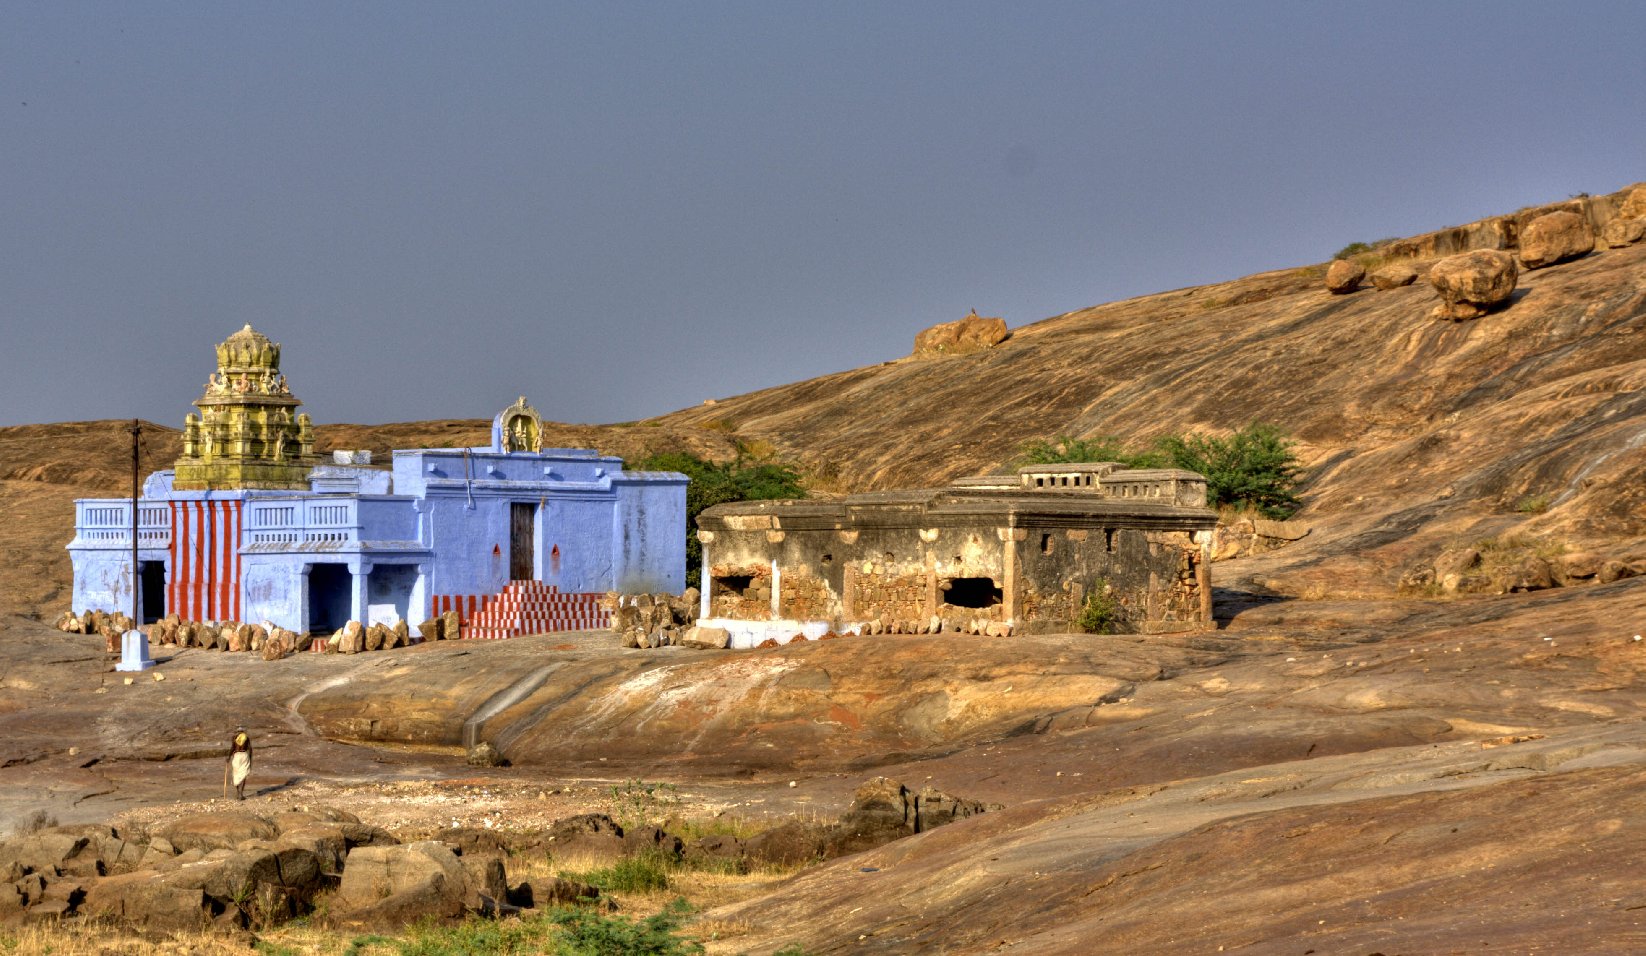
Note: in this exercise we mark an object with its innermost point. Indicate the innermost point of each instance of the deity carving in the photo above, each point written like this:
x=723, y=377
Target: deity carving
x=519, y=428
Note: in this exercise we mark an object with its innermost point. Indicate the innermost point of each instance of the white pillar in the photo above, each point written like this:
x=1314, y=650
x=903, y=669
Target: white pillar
x=777, y=588
x=703, y=584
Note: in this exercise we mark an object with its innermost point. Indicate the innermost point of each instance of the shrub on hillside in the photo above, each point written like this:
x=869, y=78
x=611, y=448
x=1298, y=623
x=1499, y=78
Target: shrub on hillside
x=1098, y=448
x=713, y=483
x=1254, y=467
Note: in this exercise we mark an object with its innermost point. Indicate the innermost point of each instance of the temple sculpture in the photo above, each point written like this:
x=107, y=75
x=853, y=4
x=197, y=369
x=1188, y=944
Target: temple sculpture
x=246, y=435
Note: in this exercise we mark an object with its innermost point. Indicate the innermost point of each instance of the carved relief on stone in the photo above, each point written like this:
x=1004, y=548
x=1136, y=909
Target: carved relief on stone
x=522, y=428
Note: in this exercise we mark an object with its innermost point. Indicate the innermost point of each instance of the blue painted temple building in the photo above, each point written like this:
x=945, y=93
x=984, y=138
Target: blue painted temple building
x=250, y=525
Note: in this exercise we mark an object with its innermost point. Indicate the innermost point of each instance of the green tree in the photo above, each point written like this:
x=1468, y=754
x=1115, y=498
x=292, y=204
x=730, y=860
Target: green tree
x=1255, y=467
x=713, y=483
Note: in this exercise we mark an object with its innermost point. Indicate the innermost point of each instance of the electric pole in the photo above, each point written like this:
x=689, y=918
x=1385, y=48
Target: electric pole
x=136, y=435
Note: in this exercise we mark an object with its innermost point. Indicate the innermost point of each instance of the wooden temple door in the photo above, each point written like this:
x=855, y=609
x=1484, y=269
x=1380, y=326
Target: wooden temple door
x=522, y=517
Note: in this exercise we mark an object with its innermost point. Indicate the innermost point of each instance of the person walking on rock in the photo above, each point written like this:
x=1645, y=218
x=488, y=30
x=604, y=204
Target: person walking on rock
x=240, y=762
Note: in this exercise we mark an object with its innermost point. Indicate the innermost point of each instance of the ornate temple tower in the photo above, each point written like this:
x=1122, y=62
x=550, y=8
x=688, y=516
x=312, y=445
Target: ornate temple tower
x=247, y=434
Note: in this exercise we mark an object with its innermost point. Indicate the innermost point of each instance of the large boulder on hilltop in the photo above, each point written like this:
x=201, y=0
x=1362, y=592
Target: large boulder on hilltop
x=1622, y=232
x=1555, y=237
x=1344, y=276
x=1473, y=283
x=402, y=884
x=1634, y=204
x=1394, y=275
x=974, y=333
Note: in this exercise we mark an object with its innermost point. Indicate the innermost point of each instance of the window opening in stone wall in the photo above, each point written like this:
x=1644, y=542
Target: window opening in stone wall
x=1108, y=540
x=1045, y=544
x=1040, y=482
x=730, y=585
x=971, y=592
x=828, y=559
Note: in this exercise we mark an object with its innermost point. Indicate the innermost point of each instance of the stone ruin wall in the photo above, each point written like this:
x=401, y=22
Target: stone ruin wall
x=750, y=602
x=1155, y=578
x=898, y=579
x=895, y=576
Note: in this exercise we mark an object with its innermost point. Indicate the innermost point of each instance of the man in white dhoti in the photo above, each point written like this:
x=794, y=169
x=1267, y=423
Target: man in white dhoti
x=240, y=762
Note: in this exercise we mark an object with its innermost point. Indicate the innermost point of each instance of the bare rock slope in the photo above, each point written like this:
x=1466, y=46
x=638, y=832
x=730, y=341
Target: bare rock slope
x=1418, y=432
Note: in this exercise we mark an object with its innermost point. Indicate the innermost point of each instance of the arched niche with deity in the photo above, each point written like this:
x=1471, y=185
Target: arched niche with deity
x=518, y=428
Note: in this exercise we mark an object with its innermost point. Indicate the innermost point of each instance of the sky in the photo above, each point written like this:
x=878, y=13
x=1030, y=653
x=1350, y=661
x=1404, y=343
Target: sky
x=619, y=209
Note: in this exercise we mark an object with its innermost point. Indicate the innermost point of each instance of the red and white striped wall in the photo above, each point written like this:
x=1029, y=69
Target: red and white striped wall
x=205, y=560
x=523, y=607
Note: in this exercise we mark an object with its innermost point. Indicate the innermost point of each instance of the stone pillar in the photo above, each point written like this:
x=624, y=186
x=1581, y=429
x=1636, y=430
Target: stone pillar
x=704, y=538
x=304, y=625
x=358, y=573
x=777, y=590
x=1203, y=578
x=1009, y=538
x=931, y=585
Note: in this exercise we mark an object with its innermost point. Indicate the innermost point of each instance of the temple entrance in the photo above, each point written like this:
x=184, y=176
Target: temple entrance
x=522, y=522
x=151, y=598
x=330, y=597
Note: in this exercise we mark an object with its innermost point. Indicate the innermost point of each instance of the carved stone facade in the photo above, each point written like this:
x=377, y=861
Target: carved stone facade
x=996, y=554
x=247, y=435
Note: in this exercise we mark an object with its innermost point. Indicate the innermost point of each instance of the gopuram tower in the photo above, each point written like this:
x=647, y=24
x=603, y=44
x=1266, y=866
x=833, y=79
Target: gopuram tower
x=247, y=434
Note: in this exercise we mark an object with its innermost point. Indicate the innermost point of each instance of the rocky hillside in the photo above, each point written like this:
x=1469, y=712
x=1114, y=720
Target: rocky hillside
x=1419, y=432
x=1357, y=772
x=1528, y=423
